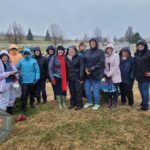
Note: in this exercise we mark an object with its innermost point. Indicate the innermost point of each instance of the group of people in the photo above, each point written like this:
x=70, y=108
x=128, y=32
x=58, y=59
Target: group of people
x=86, y=72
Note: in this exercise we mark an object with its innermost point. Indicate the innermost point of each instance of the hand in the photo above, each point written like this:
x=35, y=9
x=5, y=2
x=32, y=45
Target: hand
x=147, y=74
x=13, y=73
x=87, y=71
x=53, y=82
x=80, y=82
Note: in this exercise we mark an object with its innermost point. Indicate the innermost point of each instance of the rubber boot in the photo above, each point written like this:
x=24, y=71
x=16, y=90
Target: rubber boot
x=59, y=99
x=64, y=101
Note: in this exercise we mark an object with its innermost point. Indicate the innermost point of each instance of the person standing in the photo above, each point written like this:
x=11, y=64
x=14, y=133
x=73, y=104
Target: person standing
x=112, y=73
x=127, y=74
x=142, y=69
x=30, y=73
x=14, y=55
x=57, y=73
x=7, y=77
x=41, y=84
x=75, y=77
x=94, y=59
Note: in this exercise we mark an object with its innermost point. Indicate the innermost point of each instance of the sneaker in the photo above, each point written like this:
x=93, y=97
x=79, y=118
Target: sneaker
x=87, y=105
x=21, y=118
x=96, y=106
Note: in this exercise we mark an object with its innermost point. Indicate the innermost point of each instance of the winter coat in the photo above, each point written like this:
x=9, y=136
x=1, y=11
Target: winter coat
x=54, y=68
x=43, y=65
x=142, y=64
x=94, y=59
x=29, y=68
x=75, y=68
x=112, y=68
x=127, y=67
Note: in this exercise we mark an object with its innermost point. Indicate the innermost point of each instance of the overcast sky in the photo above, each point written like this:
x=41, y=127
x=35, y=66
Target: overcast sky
x=77, y=17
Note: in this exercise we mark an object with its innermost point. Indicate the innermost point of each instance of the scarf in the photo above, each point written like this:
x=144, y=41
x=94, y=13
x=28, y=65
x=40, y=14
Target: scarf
x=63, y=72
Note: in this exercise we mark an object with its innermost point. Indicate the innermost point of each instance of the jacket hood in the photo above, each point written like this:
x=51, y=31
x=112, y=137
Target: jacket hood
x=142, y=42
x=50, y=47
x=95, y=40
x=2, y=52
x=74, y=47
x=37, y=49
x=27, y=50
x=127, y=49
x=11, y=46
x=109, y=46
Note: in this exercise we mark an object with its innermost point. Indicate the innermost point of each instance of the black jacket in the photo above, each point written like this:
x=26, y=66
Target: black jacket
x=75, y=68
x=43, y=65
x=95, y=61
x=142, y=64
x=127, y=67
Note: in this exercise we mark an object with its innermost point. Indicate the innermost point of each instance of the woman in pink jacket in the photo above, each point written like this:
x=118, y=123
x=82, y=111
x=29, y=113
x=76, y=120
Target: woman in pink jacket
x=113, y=74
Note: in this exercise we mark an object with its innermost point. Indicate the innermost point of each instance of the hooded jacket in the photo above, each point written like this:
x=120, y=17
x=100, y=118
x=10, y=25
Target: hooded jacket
x=14, y=56
x=29, y=68
x=127, y=67
x=43, y=64
x=94, y=59
x=50, y=47
x=142, y=62
x=75, y=67
x=112, y=63
x=3, y=73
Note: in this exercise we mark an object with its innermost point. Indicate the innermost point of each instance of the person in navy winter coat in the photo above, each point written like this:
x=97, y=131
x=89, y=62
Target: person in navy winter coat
x=127, y=74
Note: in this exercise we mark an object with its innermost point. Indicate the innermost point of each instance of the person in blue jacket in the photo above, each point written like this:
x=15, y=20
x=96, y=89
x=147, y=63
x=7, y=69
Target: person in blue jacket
x=30, y=73
x=127, y=74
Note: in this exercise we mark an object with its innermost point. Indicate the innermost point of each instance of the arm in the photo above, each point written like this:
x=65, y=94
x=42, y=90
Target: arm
x=81, y=68
x=115, y=67
x=51, y=67
x=37, y=71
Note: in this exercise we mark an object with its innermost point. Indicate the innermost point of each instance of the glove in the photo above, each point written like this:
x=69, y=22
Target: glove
x=53, y=82
x=35, y=82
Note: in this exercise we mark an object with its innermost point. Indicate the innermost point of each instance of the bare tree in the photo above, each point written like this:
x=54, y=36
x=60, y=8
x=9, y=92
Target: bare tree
x=56, y=34
x=86, y=38
x=98, y=34
x=15, y=33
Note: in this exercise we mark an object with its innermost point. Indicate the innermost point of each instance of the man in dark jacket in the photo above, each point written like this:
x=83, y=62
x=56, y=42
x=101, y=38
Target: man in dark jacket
x=94, y=68
x=127, y=74
x=41, y=85
x=75, y=77
x=142, y=68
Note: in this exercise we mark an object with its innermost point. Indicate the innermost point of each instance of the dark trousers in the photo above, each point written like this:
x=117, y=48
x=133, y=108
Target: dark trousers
x=126, y=93
x=28, y=89
x=76, y=91
x=54, y=91
x=58, y=87
x=41, y=88
x=113, y=97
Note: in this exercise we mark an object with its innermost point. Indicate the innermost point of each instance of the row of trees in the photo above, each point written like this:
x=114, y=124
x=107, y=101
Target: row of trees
x=55, y=34
x=130, y=36
x=16, y=34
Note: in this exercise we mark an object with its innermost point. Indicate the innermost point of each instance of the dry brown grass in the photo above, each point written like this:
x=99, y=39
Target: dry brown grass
x=52, y=129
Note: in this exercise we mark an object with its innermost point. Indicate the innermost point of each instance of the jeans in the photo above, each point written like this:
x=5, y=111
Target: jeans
x=144, y=91
x=92, y=89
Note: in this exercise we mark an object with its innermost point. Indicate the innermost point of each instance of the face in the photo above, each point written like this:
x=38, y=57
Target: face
x=141, y=47
x=37, y=53
x=72, y=52
x=26, y=55
x=125, y=54
x=93, y=44
x=60, y=52
x=4, y=58
x=109, y=50
x=50, y=52
x=82, y=48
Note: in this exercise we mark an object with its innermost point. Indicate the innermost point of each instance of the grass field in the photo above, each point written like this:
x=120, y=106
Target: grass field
x=49, y=128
